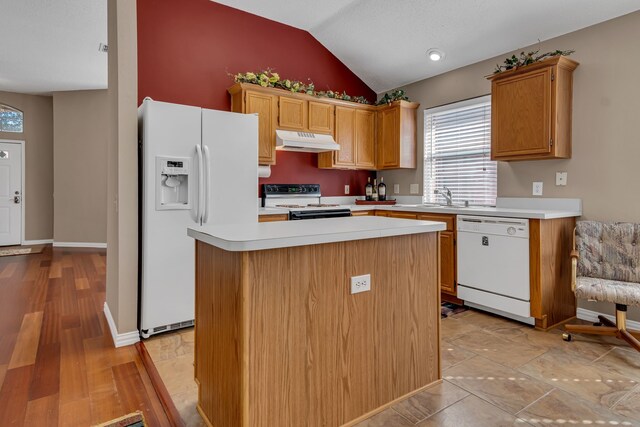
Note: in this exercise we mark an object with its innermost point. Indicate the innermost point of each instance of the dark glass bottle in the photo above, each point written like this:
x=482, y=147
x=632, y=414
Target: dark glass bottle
x=382, y=190
x=368, y=190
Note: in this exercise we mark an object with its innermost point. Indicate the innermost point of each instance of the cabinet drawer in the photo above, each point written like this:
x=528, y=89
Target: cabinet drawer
x=404, y=215
x=448, y=219
x=362, y=213
x=272, y=218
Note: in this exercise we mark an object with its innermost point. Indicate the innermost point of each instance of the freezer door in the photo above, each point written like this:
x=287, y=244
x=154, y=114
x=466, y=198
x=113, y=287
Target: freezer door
x=168, y=254
x=230, y=149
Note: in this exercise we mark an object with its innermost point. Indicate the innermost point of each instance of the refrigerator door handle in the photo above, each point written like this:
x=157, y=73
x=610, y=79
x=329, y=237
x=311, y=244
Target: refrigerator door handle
x=207, y=183
x=200, y=184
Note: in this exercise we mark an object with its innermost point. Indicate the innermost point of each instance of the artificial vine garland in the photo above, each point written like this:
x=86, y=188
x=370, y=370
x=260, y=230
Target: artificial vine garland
x=528, y=58
x=268, y=78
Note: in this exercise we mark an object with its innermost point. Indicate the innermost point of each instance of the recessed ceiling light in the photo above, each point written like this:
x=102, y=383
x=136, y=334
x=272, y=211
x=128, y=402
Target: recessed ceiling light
x=435, y=54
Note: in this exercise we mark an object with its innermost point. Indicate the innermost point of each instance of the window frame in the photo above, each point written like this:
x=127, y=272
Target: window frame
x=14, y=109
x=428, y=159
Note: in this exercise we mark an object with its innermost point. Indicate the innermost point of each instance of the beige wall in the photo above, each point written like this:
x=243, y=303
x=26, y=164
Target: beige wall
x=604, y=170
x=38, y=137
x=122, y=175
x=80, y=134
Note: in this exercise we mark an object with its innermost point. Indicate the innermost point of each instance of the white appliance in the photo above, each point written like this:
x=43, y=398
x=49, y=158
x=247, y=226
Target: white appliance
x=198, y=166
x=493, y=265
x=305, y=141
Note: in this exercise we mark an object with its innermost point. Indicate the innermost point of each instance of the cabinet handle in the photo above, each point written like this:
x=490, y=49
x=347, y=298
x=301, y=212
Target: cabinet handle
x=553, y=76
x=550, y=142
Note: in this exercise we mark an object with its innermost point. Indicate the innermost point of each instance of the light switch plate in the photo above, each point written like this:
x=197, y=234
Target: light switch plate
x=346, y=189
x=360, y=283
x=414, y=189
x=396, y=188
x=561, y=178
x=537, y=188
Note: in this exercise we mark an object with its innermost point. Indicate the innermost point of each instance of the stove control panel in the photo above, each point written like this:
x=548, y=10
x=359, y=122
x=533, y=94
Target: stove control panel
x=287, y=190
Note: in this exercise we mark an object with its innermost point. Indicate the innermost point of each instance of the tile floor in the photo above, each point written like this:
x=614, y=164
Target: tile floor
x=496, y=373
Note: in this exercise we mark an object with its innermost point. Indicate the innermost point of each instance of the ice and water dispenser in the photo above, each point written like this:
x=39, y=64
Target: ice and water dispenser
x=172, y=183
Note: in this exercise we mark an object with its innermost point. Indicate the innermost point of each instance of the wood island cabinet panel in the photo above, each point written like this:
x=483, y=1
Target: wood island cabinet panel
x=365, y=130
x=531, y=110
x=321, y=117
x=266, y=107
x=292, y=113
x=300, y=348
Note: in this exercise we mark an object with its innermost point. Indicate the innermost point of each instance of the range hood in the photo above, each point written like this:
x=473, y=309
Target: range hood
x=305, y=141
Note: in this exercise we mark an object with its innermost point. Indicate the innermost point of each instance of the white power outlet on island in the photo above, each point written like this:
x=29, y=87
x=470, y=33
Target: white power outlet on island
x=396, y=188
x=537, y=189
x=360, y=283
x=346, y=189
x=414, y=189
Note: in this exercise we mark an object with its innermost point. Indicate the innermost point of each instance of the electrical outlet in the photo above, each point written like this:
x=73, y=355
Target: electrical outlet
x=537, y=189
x=414, y=189
x=396, y=188
x=346, y=189
x=360, y=283
x=561, y=178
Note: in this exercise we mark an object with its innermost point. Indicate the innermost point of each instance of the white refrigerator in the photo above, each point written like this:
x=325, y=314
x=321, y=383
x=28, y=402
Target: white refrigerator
x=198, y=167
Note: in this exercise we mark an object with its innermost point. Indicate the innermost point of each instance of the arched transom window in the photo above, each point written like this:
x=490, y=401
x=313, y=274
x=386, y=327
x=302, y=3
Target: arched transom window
x=11, y=119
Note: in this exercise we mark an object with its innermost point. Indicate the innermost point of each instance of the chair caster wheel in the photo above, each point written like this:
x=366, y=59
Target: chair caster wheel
x=566, y=336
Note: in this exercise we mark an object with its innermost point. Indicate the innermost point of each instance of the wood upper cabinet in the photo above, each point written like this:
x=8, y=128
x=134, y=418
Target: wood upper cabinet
x=531, y=111
x=292, y=113
x=355, y=132
x=397, y=135
x=321, y=117
x=365, y=139
x=266, y=107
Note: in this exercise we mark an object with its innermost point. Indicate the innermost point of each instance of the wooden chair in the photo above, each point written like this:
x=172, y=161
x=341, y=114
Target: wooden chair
x=605, y=266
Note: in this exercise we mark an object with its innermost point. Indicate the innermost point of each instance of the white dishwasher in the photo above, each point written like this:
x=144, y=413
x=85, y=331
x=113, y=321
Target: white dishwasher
x=493, y=265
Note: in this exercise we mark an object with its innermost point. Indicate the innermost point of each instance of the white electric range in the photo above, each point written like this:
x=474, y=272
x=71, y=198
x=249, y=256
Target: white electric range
x=303, y=201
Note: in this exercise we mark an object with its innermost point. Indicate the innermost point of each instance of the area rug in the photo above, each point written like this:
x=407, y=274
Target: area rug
x=134, y=419
x=447, y=309
x=21, y=250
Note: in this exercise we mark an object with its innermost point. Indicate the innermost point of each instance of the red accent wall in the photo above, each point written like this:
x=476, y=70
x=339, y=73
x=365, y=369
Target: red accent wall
x=187, y=48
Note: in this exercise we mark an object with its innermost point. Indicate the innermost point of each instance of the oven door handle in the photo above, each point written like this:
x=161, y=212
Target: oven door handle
x=325, y=214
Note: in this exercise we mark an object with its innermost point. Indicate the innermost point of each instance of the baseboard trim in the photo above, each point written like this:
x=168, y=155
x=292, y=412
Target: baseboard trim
x=592, y=316
x=119, y=340
x=79, y=245
x=37, y=242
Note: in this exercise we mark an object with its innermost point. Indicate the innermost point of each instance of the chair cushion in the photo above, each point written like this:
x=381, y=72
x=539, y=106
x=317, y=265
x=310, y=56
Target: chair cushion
x=609, y=251
x=626, y=293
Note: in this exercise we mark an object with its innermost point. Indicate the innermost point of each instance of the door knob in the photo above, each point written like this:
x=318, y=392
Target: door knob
x=16, y=200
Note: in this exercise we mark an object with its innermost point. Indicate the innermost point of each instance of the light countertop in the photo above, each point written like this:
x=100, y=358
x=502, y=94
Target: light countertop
x=272, y=235
x=507, y=207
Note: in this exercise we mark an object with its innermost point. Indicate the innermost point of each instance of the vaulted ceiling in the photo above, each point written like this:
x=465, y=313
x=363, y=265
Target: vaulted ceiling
x=384, y=42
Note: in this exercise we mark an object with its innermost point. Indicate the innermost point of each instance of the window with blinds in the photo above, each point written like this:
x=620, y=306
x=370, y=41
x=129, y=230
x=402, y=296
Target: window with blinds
x=457, y=153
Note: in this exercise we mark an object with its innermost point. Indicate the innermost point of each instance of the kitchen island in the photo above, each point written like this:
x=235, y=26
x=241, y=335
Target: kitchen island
x=282, y=341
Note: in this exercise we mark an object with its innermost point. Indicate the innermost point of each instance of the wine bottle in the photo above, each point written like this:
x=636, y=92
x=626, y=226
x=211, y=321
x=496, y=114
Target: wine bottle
x=374, y=194
x=368, y=190
x=382, y=190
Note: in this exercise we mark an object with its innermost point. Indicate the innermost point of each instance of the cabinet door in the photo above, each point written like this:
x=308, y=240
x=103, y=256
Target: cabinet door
x=521, y=115
x=447, y=262
x=321, y=117
x=265, y=106
x=292, y=113
x=403, y=215
x=389, y=138
x=365, y=139
x=362, y=213
x=345, y=136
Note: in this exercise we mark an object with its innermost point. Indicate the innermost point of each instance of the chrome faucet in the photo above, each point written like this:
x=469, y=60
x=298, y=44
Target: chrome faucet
x=446, y=193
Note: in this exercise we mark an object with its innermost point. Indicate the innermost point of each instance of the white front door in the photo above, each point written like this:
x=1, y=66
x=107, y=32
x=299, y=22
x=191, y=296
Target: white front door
x=10, y=193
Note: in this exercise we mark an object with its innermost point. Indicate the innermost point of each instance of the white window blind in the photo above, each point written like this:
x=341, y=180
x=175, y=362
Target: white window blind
x=457, y=152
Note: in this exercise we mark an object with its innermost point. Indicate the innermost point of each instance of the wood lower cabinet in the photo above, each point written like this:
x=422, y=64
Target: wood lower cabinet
x=531, y=110
x=273, y=217
x=397, y=136
x=363, y=213
x=266, y=107
x=448, y=258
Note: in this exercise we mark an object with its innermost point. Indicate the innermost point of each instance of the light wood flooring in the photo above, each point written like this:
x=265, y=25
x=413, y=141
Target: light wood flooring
x=496, y=373
x=58, y=366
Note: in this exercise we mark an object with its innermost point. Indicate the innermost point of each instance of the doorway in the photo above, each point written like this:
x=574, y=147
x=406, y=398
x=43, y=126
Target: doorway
x=11, y=192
